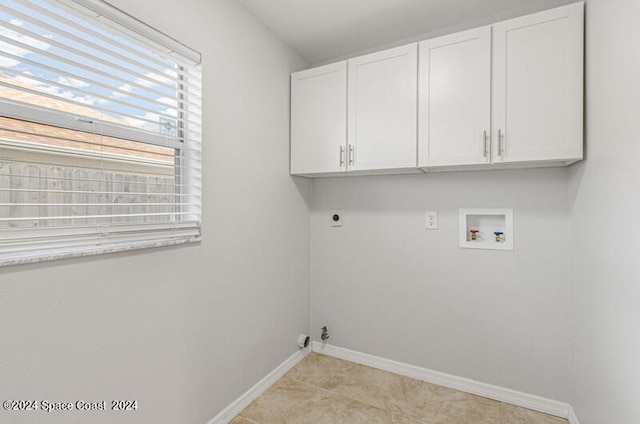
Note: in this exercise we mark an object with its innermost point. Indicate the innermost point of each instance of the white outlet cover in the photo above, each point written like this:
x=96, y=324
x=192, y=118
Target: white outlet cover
x=431, y=220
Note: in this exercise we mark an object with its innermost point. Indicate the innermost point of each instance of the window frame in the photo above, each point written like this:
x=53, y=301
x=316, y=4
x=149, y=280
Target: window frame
x=26, y=245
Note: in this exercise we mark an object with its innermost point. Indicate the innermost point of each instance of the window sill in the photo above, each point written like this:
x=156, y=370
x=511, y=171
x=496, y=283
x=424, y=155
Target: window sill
x=74, y=250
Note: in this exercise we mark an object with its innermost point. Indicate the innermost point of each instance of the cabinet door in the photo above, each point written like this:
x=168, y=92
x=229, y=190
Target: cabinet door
x=319, y=119
x=383, y=109
x=455, y=99
x=537, y=86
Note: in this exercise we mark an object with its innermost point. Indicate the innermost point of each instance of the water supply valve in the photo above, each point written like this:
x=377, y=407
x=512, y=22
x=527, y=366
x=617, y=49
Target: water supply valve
x=325, y=334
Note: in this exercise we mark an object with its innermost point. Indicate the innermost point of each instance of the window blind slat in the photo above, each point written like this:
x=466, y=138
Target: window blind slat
x=176, y=49
x=111, y=205
x=162, y=111
x=75, y=122
x=59, y=20
x=98, y=97
x=96, y=71
x=119, y=193
x=168, y=78
x=94, y=217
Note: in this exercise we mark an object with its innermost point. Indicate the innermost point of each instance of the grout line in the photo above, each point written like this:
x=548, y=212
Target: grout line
x=312, y=385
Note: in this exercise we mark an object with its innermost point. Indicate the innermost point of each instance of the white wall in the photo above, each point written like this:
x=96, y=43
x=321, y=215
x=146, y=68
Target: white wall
x=386, y=286
x=605, y=193
x=184, y=330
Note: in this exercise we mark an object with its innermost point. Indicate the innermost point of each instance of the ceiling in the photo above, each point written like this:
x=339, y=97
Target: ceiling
x=326, y=30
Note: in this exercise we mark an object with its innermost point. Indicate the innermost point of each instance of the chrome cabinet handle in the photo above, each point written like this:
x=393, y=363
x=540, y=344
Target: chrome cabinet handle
x=485, y=139
x=341, y=156
x=351, y=154
x=500, y=143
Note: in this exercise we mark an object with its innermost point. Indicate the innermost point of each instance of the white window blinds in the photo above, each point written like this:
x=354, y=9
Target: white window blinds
x=100, y=132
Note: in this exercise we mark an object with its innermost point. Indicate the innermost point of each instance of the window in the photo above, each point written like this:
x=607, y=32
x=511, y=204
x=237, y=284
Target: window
x=100, y=132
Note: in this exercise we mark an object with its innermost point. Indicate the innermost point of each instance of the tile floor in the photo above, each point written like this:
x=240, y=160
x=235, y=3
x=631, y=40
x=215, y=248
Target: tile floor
x=325, y=390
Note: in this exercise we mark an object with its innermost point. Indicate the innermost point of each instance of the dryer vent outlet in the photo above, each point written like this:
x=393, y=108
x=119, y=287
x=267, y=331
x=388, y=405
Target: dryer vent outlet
x=303, y=341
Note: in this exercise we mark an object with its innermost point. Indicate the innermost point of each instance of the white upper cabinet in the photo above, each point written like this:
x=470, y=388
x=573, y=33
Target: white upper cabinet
x=523, y=108
x=538, y=86
x=319, y=119
x=455, y=99
x=382, y=124
x=500, y=96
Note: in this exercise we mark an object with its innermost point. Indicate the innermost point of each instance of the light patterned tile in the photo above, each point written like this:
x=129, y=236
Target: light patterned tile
x=289, y=401
x=515, y=415
x=390, y=392
x=347, y=411
x=322, y=371
x=326, y=390
x=441, y=405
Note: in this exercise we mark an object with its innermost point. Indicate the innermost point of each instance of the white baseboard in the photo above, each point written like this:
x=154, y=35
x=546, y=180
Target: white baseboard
x=230, y=412
x=536, y=403
x=573, y=419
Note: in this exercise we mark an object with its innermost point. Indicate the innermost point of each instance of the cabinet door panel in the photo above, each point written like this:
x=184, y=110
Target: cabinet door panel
x=538, y=86
x=318, y=119
x=455, y=99
x=383, y=109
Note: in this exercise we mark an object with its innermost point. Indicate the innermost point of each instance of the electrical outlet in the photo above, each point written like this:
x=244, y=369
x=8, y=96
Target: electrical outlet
x=432, y=220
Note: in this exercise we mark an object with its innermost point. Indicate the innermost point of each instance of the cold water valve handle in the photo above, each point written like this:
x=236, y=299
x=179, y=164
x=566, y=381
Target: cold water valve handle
x=498, y=235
